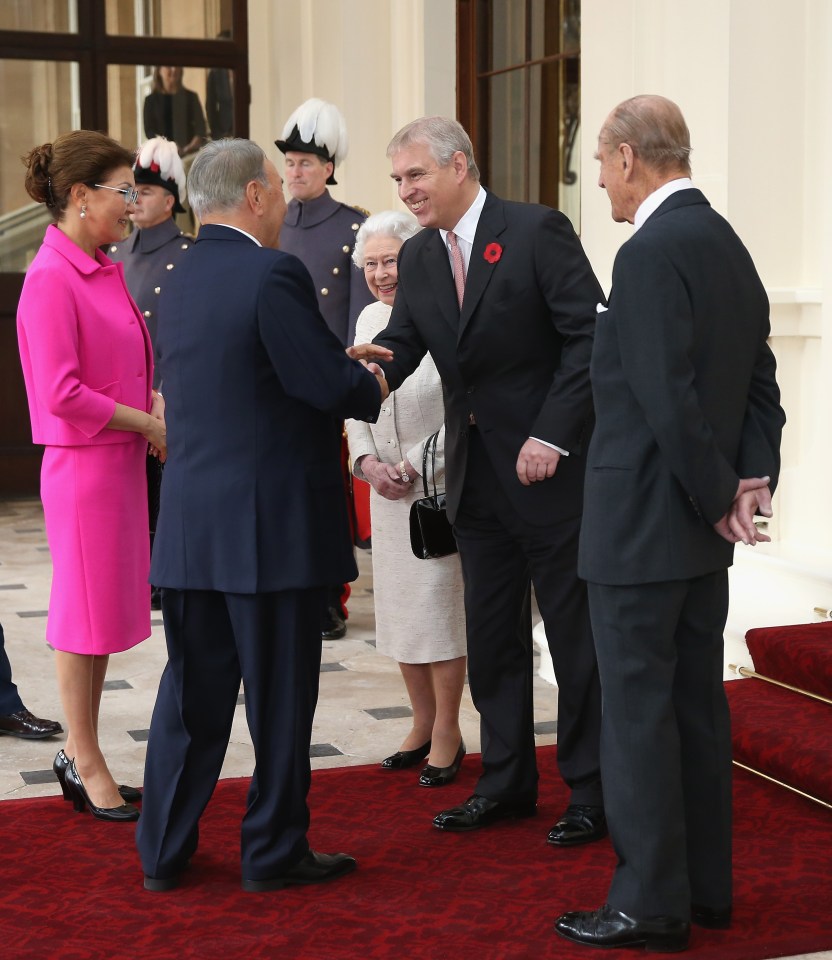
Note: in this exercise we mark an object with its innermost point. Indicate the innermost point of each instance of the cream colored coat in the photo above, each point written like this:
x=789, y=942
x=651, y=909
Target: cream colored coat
x=418, y=603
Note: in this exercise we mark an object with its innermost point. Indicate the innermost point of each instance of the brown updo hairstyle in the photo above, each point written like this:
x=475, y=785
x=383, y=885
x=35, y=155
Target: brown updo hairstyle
x=81, y=156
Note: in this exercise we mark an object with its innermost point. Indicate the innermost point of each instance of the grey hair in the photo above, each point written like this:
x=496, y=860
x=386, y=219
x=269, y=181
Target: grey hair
x=219, y=174
x=655, y=129
x=443, y=138
x=388, y=223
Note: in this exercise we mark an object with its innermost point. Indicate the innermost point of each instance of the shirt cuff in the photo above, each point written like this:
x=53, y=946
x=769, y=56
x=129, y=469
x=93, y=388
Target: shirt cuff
x=553, y=446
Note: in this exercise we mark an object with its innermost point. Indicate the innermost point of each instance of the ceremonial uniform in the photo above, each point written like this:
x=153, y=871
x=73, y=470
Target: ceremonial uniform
x=321, y=233
x=150, y=258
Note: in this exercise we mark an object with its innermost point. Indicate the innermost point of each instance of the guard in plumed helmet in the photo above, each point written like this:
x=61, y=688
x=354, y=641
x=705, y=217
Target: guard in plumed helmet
x=318, y=229
x=156, y=245
x=150, y=256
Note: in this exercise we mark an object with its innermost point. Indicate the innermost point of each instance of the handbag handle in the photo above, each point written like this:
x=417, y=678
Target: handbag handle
x=429, y=450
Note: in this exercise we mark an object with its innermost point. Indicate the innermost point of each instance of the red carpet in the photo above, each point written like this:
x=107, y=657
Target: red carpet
x=70, y=886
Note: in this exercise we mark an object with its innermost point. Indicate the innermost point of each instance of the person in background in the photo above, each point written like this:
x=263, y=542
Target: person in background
x=687, y=448
x=252, y=526
x=321, y=232
x=88, y=368
x=15, y=719
x=174, y=112
x=219, y=98
x=150, y=256
x=420, y=619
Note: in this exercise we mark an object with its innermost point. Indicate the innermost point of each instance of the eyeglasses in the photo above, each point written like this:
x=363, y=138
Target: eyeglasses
x=131, y=195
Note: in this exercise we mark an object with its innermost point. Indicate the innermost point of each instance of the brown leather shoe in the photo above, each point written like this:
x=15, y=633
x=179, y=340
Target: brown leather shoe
x=25, y=725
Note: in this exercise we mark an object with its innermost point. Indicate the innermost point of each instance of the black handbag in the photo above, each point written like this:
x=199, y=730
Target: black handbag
x=431, y=535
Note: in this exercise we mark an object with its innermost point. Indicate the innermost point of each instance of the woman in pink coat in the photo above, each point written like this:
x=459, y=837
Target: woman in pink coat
x=88, y=368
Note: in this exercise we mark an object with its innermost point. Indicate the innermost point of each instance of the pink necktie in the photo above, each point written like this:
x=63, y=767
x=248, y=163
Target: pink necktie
x=459, y=267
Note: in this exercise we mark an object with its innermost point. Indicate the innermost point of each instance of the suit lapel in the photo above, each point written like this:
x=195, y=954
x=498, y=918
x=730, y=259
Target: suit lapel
x=491, y=224
x=438, y=270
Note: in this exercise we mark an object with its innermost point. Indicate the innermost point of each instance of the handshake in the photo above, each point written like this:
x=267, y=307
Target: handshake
x=367, y=354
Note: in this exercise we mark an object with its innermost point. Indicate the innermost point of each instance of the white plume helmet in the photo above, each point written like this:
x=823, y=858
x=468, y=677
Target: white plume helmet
x=158, y=162
x=320, y=123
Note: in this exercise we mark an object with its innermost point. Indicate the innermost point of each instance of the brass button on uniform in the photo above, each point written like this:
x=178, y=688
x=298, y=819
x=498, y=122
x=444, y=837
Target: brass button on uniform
x=157, y=290
x=335, y=271
x=147, y=313
x=324, y=291
x=170, y=266
x=346, y=248
x=355, y=226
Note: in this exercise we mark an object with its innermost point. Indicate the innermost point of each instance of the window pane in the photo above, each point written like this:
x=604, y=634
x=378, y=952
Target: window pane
x=508, y=141
x=49, y=16
x=40, y=101
x=508, y=33
x=194, y=19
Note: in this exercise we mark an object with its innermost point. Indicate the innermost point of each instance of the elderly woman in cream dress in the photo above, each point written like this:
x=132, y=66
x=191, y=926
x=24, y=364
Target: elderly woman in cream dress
x=420, y=620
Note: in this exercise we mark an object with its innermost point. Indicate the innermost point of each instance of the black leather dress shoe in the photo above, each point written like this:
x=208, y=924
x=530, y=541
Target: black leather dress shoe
x=478, y=812
x=402, y=759
x=611, y=928
x=579, y=824
x=28, y=727
x=313, y=868
x=335, y=626
x=155, y=598
x=164, y=884
x=709, y=917
x=441, y=776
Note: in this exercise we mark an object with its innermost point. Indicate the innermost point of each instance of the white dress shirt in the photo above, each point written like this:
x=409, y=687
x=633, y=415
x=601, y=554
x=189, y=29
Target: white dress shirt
x=652, y=203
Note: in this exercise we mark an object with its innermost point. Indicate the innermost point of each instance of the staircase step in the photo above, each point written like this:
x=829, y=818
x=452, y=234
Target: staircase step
x=800, y=655
x=782, y=734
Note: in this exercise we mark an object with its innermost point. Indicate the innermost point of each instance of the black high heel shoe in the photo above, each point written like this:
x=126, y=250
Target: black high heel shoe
x=441, y=776
x=61, y=762
x=59, y=765
x=80, y=800
x=406, y=758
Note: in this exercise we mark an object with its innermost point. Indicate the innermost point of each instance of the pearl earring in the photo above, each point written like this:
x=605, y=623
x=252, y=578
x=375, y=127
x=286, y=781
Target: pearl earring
x=83, y=213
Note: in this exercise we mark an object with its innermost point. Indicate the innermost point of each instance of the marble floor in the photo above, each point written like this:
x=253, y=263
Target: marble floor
x=362, y=711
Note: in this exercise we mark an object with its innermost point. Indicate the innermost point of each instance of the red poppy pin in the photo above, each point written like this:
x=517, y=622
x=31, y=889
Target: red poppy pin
x=493, y=252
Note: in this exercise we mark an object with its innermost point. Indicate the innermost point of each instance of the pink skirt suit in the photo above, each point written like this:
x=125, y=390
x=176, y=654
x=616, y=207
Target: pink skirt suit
x=84, y=347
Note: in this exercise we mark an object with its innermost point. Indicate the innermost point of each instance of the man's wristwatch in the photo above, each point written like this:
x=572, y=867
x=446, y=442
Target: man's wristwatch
x=403, y=473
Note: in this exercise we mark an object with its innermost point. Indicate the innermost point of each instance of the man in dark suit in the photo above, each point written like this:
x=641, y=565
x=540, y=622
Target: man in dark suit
x=252, y=525
x=15, y=719
x=685, y=450
x=514, y=365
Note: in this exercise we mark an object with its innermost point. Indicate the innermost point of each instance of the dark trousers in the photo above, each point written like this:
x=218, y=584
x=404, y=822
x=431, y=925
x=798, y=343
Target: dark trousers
x=499, y=551
x=666, y=743
x=271, y=641
x=10, y=701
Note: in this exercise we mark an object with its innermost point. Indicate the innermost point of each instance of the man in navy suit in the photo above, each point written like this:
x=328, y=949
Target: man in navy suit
x=514, y=363
x=685, y=450
x=252, y=526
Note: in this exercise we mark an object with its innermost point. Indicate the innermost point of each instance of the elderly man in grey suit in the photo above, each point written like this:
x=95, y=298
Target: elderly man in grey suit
x=686, y=405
